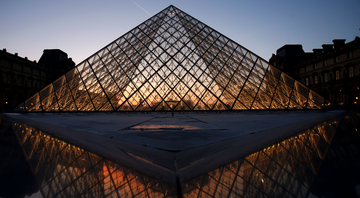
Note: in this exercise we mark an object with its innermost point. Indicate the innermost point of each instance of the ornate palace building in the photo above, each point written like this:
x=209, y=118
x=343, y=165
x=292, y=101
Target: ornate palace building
x=333, y=71
x=20, y=78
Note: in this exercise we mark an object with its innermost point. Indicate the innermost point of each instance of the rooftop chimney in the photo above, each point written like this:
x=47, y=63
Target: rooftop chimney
x=338, y=43
x=317, y=52
x=327, y=48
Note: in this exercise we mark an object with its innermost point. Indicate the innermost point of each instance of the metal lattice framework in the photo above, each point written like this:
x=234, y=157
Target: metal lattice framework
x=172, y=61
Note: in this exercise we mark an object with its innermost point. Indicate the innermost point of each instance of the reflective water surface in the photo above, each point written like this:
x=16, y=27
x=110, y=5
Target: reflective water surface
x=322, y=161
x=164, y=127
x=285, y=169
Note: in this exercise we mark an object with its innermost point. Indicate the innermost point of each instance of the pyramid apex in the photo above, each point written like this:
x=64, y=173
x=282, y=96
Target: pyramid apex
x=172, y=6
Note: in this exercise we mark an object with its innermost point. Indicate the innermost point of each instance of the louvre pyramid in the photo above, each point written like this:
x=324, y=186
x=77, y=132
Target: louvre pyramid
x=173, y=61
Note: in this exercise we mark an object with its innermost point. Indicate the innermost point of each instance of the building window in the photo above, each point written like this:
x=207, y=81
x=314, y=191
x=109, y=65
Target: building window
x=351, y=72
x=307, y=81
x=324, y=63
x=316, y=80
x=326, y=77
x=337, y=75
x=336, y=59
x=9, y=79
x=349, y=55
x=19, y=82
x=315, y=66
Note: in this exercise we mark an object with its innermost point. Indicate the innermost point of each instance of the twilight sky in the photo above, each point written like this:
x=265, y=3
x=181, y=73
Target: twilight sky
x=80, y=28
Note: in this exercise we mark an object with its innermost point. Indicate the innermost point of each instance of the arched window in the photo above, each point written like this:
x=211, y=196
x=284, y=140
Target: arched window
x=326, y=77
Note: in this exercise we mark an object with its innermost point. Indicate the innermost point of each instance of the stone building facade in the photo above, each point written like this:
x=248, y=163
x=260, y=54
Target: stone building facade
x=20, y=78
x=333, y=71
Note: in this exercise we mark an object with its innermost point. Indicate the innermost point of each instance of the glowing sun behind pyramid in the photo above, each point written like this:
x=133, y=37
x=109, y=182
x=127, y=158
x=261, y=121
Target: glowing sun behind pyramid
x=172, y=61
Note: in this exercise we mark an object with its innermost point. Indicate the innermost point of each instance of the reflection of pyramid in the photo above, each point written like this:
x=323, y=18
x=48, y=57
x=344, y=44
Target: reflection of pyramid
x=173, y=62
x=248, y=154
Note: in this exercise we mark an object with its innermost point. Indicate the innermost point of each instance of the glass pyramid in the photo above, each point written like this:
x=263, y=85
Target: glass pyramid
x=173, y=61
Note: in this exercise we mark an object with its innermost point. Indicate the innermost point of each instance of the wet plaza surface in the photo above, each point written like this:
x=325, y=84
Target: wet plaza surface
x=262, y=154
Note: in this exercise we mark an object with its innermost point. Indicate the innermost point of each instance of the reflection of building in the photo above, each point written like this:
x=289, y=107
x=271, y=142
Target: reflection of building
x=15, y=171
x=21, y=78
x=130, y=145
x=332, y=71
